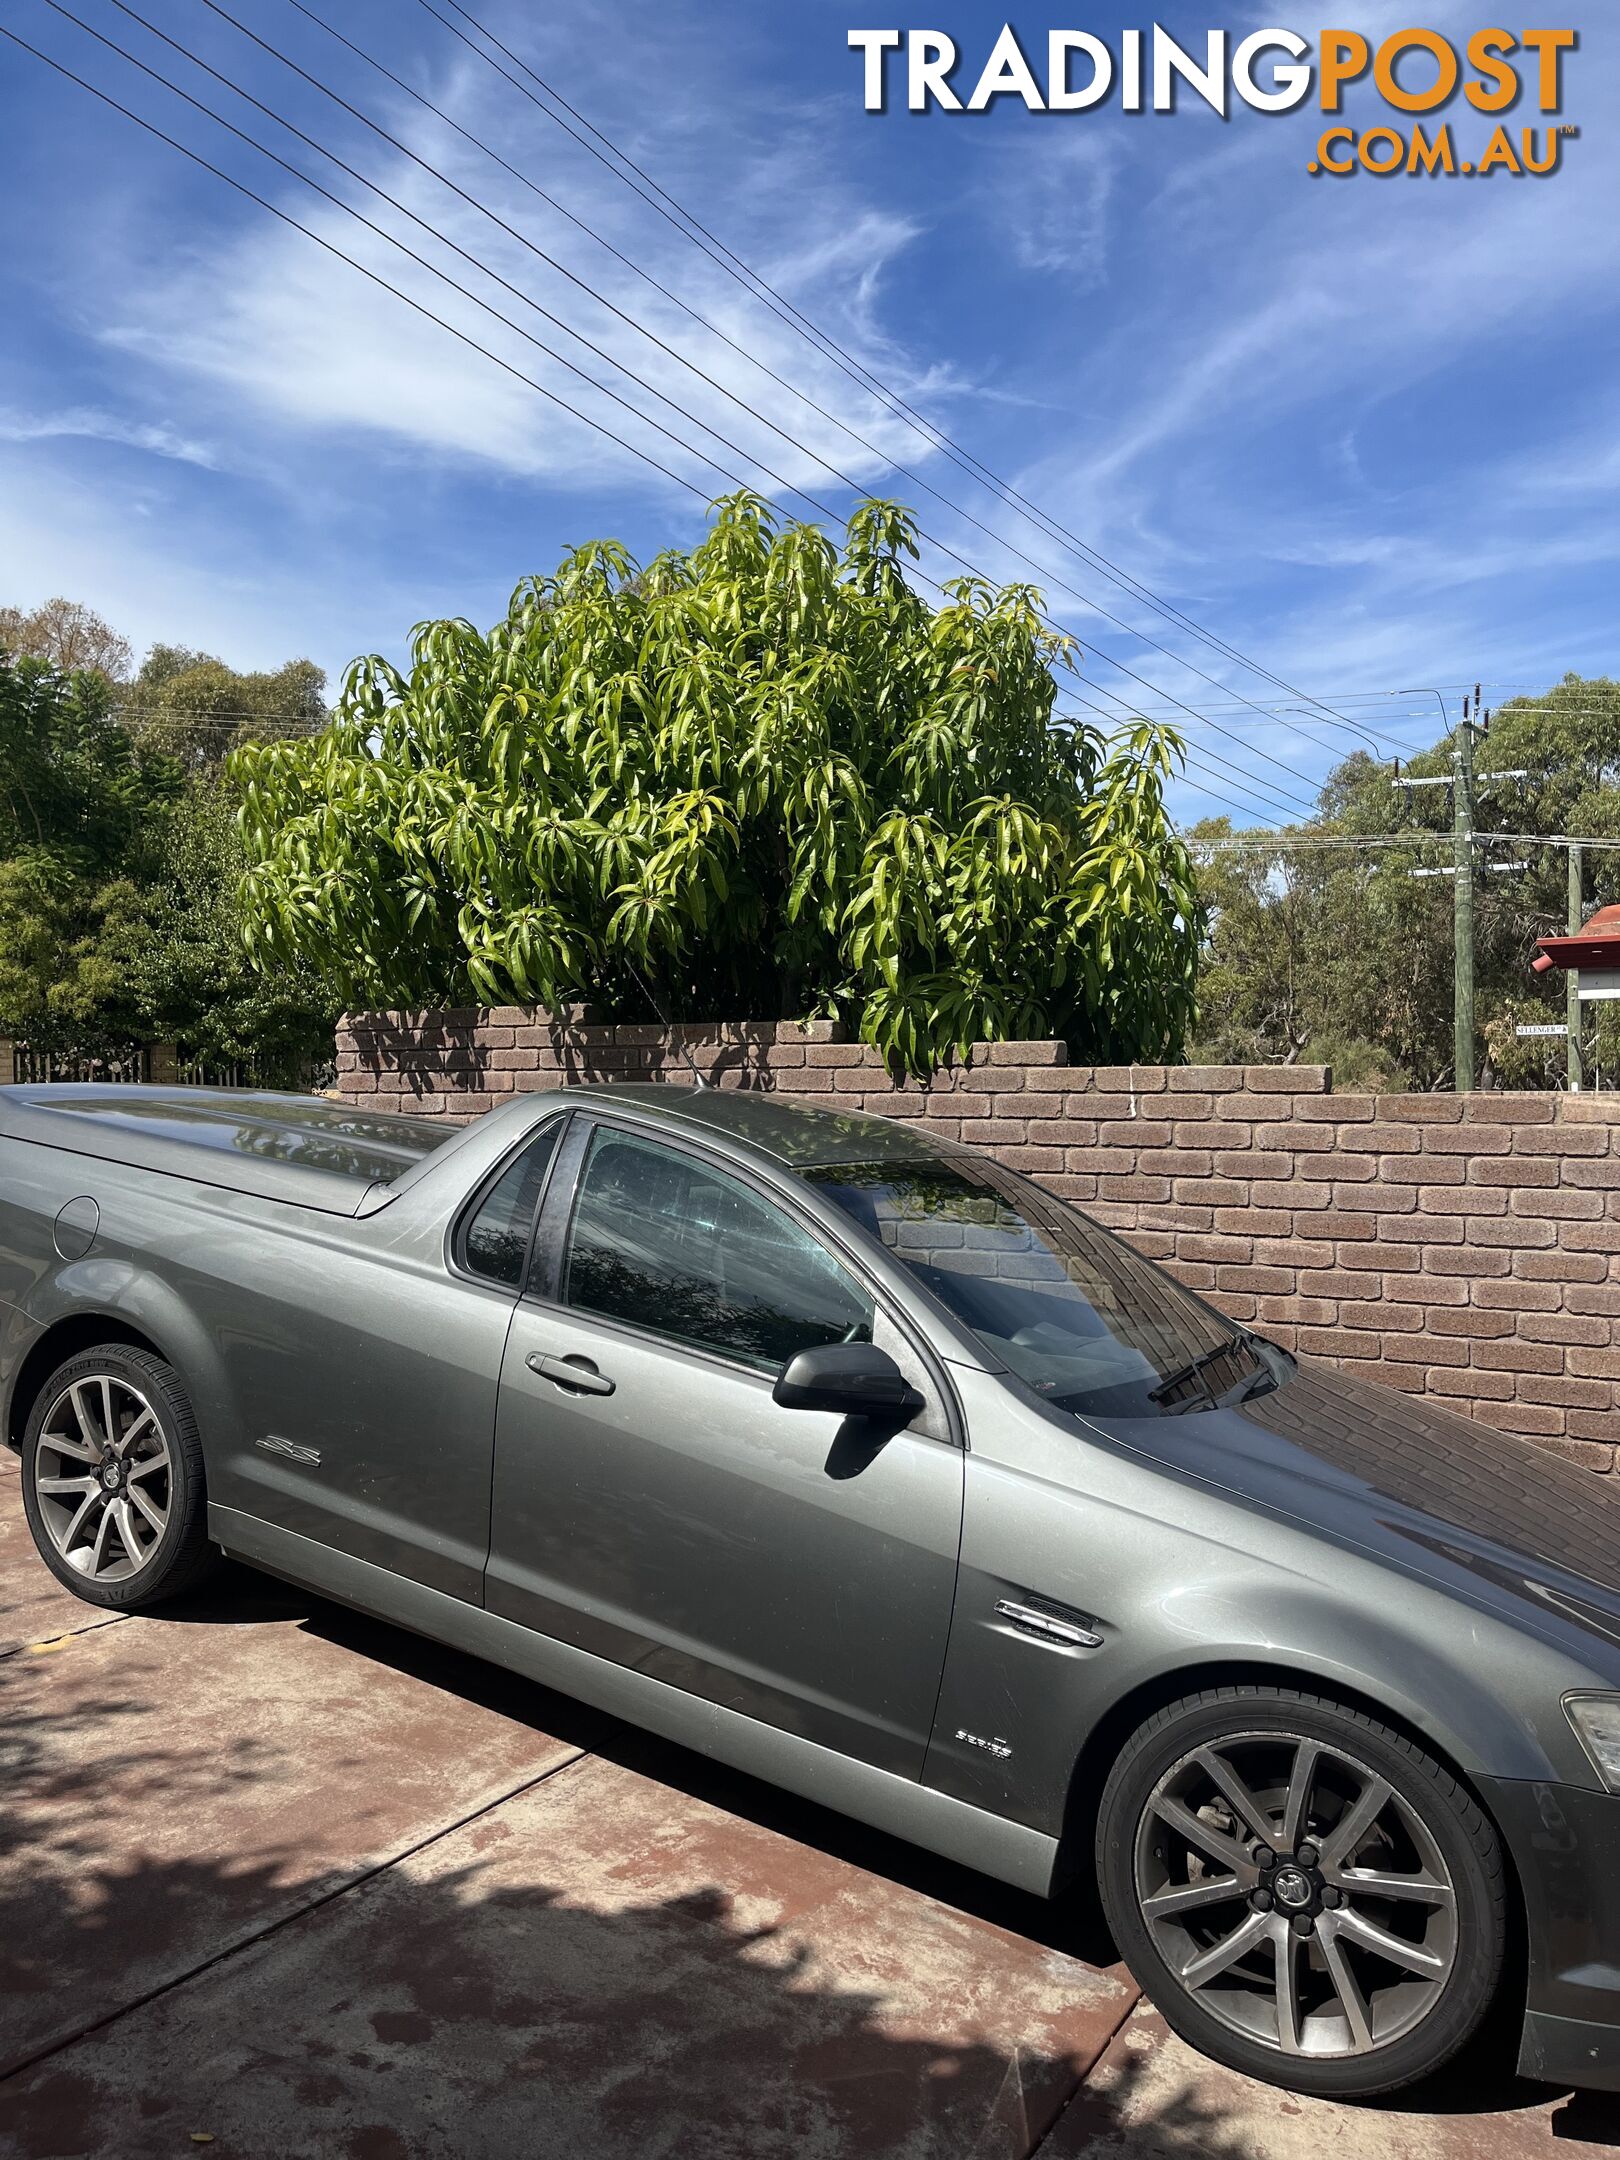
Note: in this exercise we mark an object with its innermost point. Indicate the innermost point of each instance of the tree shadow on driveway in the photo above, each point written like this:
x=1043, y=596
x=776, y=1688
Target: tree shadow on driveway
x=462, y=2003
x=642, y=1954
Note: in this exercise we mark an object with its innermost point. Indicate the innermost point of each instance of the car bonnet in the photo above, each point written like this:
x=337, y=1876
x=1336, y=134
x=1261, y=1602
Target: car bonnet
x=1479, y=1511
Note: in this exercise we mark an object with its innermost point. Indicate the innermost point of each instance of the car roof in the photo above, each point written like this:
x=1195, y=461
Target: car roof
x=801, y=1135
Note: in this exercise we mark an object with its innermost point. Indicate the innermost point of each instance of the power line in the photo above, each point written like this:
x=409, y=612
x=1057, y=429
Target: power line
x=886, y=457
x=1258, y=790
x=805, y=450
x=760, y=289
x=235, y=721
x=540, y=345
x=348, y=210
x=1256, y=815
x=331, y=248
x=1265, y=815
x=147, y=724
x=1367, y=745
x=433, y=270
x=1359, y=723
x=466, y=293
x=1416, y=838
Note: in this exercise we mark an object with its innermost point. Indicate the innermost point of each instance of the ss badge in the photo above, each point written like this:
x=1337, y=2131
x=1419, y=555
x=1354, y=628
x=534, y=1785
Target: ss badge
x=999, y=1748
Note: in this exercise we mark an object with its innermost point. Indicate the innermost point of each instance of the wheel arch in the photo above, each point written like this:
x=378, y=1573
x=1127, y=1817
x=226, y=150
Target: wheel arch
x=66, y=1338
x=1102, y=1745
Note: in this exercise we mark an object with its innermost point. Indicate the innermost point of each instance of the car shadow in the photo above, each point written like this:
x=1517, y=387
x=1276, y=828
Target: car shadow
x=1481, y=2083
x=243, y=1596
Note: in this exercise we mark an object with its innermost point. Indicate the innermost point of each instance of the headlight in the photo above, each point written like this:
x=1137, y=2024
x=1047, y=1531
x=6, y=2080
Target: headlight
x=1596, y=1719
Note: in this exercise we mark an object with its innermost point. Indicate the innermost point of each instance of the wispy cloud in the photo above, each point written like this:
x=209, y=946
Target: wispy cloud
x=1363, y=430
x=1055, y=204
x=316, y=345
x=94, y=426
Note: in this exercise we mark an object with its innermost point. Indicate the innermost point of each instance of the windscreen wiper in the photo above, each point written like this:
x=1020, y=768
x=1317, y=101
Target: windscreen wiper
x=1195, y=1368
x=1260, y=1382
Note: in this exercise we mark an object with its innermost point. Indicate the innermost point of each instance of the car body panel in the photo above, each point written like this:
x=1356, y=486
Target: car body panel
x=689, y=1526
x=898, y=1804
x=301, y=1149
x=1489, y=1517
x=1566, y=1843
x=1181, y=1579
x=336, y=1337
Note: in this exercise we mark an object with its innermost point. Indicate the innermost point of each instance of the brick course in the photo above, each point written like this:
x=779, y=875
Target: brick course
x=1466, y=1248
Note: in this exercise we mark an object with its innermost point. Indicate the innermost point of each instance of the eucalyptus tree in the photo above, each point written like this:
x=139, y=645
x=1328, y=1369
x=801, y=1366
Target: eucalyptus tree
x=68, y=636
x=1341, y=954
x=119, y=874
x=761, y=779
x=197, y=709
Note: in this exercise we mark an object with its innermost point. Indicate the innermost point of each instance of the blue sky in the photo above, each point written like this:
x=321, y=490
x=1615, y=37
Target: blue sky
x=1368, y=432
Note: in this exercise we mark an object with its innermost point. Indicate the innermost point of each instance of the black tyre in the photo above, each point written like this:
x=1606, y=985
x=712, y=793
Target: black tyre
x=113, y=1480
x=1304, y=1894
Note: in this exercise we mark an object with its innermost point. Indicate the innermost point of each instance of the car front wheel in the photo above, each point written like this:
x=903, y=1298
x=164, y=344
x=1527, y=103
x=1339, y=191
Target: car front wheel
x=1305, y=1894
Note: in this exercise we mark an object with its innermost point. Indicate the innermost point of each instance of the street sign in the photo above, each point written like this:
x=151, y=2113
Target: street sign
x=1557, y=1028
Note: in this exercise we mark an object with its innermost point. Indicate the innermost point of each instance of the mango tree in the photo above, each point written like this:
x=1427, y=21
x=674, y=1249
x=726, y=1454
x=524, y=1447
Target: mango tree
x=763, y=779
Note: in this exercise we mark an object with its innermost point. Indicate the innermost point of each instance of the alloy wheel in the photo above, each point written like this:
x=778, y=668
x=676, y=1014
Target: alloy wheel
x=103, y=1477
x=1296, y=1894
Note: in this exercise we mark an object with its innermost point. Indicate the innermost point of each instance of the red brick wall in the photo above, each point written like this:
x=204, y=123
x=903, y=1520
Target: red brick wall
x=1467, y=1248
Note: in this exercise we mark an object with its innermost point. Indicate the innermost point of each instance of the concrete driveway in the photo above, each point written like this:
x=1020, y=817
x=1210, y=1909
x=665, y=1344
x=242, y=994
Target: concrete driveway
x=277, y=1881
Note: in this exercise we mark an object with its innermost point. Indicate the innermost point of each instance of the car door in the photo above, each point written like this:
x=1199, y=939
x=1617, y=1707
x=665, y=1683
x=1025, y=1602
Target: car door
x=654, y=1505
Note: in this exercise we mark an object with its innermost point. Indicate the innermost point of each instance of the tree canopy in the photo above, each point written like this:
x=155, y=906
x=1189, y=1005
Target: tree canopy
x=198, y=709
x=120, y=870
x=70, y=636
x=761, y=779
x=1342, y=956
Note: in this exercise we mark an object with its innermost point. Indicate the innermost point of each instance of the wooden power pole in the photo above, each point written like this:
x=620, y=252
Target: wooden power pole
x=1462, y=825
x=1572, y=980
x=1463, y=783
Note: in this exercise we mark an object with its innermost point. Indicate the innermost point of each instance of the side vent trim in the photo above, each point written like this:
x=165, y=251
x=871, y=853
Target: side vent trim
x=1054, y=1624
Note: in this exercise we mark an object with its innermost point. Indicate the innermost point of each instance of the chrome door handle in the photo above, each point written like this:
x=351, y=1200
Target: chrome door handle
x=577, y=1374
x=1048, y=1627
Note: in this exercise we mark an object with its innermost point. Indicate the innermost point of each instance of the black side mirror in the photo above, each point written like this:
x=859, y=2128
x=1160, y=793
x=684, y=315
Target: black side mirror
x=853, y=1379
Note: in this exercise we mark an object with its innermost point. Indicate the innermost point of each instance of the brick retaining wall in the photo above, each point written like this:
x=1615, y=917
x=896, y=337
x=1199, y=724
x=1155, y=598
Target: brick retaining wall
x=1466, y=1248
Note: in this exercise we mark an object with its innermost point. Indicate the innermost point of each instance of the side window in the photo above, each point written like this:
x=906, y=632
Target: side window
x=495, y=1238
x=664, y=1242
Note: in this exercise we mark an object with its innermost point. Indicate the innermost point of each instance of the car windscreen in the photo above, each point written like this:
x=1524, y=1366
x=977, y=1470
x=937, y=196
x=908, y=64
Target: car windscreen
x=1086, y=1322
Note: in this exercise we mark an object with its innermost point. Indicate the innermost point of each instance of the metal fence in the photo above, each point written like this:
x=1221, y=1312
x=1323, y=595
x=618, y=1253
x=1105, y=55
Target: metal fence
x=37, y=1067
x=141, y=1064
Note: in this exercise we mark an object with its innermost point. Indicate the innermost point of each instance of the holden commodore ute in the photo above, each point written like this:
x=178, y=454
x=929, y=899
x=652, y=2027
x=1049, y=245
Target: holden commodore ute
x=849, y=1458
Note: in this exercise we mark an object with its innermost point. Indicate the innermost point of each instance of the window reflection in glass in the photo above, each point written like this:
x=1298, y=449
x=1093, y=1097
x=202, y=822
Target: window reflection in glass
x=496, y=1242
x=1089, y=1324
x=663, y=1242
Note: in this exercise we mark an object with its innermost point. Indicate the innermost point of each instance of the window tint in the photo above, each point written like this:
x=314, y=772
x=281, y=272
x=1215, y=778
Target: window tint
x=495, y=1242
x=662, y=1241
x=1085, y=1321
